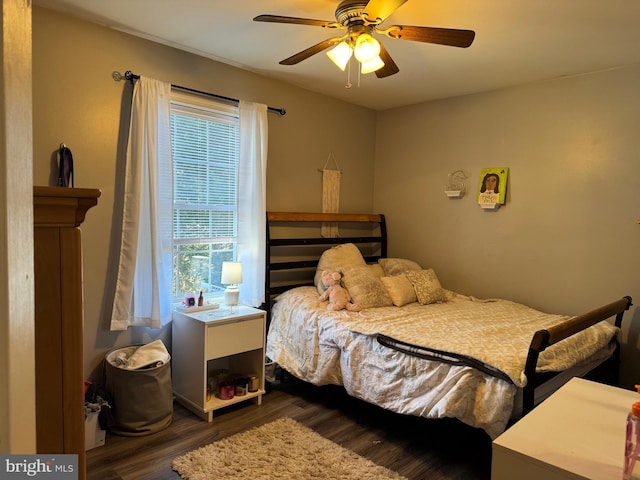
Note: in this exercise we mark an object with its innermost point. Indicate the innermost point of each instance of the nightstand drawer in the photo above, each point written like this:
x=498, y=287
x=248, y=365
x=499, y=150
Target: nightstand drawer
x=232, y=338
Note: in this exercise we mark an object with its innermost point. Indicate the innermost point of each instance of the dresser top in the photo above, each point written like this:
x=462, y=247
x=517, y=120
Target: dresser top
x=578, y=429
x=224, y=314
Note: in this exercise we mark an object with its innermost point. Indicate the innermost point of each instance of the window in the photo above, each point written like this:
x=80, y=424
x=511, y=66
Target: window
x=205, y=152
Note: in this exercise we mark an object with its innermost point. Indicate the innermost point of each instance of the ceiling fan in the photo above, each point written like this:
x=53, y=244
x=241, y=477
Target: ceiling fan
x=361, y=19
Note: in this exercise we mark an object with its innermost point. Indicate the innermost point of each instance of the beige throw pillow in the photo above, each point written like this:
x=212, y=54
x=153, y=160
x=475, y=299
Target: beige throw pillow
x=427, y=286
x=376, y=270
x=366, y=289
x=400, y=290
x=338, y=258
x=397, y=266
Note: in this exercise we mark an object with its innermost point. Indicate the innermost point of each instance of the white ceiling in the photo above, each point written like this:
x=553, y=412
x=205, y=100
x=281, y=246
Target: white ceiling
x=517, y=41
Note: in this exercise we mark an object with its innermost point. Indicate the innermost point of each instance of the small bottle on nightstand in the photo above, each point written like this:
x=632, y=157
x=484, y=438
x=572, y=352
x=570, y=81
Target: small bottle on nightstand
x=632, y=443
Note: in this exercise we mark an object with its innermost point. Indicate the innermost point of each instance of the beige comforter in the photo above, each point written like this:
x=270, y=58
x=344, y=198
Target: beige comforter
x=340, y=348
x=478, y=329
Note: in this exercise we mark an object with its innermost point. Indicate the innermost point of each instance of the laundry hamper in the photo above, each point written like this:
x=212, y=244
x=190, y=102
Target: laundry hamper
x=141, y=399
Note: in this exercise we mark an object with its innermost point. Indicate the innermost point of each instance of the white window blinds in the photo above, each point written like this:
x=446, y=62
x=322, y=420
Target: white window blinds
x=205, y=150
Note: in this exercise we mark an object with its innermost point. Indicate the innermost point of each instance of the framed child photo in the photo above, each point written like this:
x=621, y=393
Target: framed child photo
x=492, y=188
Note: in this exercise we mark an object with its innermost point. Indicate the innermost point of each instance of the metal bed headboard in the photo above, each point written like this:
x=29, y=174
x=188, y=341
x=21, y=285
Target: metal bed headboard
x=294, y=245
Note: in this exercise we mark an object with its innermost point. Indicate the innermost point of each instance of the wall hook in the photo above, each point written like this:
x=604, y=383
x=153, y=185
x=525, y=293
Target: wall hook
x=456, y=187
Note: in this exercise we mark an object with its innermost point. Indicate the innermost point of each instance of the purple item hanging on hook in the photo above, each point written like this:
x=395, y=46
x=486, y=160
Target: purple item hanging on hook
x=65, y=163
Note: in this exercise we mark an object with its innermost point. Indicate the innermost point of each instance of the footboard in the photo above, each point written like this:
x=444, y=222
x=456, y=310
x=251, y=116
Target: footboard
x=543, y=339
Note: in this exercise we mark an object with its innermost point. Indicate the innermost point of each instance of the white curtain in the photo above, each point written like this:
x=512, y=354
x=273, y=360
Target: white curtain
x=145, y=270
x=252, y=201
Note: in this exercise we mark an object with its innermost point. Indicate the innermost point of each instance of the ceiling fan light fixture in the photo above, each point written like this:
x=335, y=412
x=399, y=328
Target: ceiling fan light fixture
x=372, y=65
x=366, y=48
x=362, y=19
x=340, y=55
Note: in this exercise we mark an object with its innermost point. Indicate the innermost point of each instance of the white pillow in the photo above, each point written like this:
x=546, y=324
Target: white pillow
x=338, y=258
x=376, y=270
x=397, y=266
x=366, y=289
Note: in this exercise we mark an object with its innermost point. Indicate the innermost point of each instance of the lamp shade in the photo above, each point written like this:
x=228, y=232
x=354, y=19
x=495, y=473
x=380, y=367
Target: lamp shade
x=231, y=273
x=340, y=54
x=367, y=48
x=372, y=65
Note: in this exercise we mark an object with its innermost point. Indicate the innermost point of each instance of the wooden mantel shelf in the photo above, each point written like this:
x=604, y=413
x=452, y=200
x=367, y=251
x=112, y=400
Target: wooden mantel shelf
x=62, y=207
x=58, y=213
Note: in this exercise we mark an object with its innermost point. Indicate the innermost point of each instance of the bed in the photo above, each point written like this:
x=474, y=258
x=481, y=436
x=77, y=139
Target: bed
x=416, y=348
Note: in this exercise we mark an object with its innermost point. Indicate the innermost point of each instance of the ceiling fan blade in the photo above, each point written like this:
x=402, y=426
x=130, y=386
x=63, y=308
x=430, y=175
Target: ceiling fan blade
x=378, y=10
x=442, y=36
x=304, y=54
x=297, y=21
x=390, y=67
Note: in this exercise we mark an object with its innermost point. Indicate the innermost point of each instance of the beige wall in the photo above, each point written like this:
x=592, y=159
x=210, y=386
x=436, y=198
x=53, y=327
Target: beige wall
x=568, y=238
x=566, y=241
x=76, y=101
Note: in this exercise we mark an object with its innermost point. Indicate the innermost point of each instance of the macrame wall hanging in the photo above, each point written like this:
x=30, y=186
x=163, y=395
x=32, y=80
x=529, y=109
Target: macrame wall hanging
x=330, y=196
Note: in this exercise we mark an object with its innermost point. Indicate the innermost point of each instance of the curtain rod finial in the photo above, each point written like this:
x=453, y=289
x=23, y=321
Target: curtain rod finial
x=129, y=75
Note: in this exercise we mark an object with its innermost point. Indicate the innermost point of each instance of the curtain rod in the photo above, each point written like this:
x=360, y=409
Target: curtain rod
x=129, y=75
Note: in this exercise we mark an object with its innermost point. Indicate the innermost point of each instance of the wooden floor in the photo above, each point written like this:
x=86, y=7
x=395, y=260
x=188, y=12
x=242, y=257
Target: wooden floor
x=416, y=448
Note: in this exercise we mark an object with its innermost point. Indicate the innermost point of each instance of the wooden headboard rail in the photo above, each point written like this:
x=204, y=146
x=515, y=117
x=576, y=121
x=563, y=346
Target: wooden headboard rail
x=376, y=240
x=324, y=217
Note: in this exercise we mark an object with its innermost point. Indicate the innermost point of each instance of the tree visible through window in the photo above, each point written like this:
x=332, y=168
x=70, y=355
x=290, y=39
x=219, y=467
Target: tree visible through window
x=205, y=151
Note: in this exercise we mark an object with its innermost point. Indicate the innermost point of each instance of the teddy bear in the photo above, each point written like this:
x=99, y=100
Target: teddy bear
x=337, y=295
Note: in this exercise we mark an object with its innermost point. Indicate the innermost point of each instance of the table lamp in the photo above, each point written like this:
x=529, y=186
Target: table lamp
x=231, y=276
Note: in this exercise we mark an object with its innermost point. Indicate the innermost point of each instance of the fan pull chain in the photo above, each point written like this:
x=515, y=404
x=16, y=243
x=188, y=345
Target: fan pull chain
x=348, y=85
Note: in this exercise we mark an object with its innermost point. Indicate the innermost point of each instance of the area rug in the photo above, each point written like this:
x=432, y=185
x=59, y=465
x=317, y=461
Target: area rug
x=280, y=449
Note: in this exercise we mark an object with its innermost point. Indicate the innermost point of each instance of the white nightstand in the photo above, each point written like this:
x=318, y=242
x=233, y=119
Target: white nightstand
x=204, y=342
x=576, y=433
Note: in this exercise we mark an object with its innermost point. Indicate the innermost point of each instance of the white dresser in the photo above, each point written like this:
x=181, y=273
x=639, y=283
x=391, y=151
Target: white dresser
x=576, y=433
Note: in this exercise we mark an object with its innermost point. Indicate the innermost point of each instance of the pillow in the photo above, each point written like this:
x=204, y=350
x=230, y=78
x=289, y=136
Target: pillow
x=339, y=258
x=400, y=290
x=365, y=288
x=396, y=266
x=376, y=270
x=427, y=286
